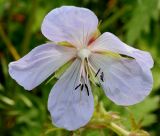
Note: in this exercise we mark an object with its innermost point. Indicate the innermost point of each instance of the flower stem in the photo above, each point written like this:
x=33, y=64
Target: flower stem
x=117, y=129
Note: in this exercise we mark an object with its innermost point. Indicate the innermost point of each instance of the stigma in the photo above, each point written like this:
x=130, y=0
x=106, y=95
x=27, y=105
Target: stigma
x=83, y=53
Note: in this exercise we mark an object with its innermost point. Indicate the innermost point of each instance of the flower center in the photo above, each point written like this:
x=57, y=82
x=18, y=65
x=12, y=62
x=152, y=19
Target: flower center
x=83, y=53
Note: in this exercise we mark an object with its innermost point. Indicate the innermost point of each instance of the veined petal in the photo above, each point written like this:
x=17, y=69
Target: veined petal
x=70, y=108
x=39, y=64
x=70, y=24
x=124, y=81
x=109, y=42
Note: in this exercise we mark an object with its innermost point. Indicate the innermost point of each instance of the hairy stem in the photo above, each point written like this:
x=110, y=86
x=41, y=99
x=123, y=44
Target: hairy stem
x=117, y=129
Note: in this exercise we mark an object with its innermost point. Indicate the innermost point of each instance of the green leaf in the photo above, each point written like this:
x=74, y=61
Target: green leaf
x=141, y=19
x=6, y=100
x=144, y=110
x=1, y=87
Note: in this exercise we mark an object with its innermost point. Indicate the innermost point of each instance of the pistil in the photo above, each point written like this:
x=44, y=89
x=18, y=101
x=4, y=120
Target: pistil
x=83, y=53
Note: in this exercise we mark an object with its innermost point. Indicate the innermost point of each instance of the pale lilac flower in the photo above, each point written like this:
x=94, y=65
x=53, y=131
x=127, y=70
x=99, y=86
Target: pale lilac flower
x=122, y=71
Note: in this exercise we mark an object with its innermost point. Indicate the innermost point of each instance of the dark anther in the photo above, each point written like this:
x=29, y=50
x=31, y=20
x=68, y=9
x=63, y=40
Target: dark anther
x=82, y=87
x=97, y=72
x=97, y=84
x=87, y=89
x=102, y=77
x=77, y=86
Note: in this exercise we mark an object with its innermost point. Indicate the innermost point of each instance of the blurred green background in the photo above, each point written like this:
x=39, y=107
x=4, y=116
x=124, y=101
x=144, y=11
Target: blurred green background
x=22, y=113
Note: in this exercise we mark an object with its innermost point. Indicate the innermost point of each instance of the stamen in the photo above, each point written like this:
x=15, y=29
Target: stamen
x=97, y=84
x=82, y=87
x=102, y=77
x=77, y=86
x=97, y=72
x=87, y=89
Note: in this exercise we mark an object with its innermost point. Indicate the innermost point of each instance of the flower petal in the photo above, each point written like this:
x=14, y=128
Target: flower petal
x=109, y=42
x=70, y=108
x=39, y=64
x=70, y=24
x=125, y=82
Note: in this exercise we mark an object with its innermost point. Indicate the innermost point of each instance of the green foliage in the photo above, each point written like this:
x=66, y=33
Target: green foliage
x=25, y=113
x=141, y=19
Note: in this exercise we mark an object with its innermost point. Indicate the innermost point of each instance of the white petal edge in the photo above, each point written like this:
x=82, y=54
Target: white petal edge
x=70, y=24
x=109, y=42
x=39, y=64
x=70, y=108
x=125, y=82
